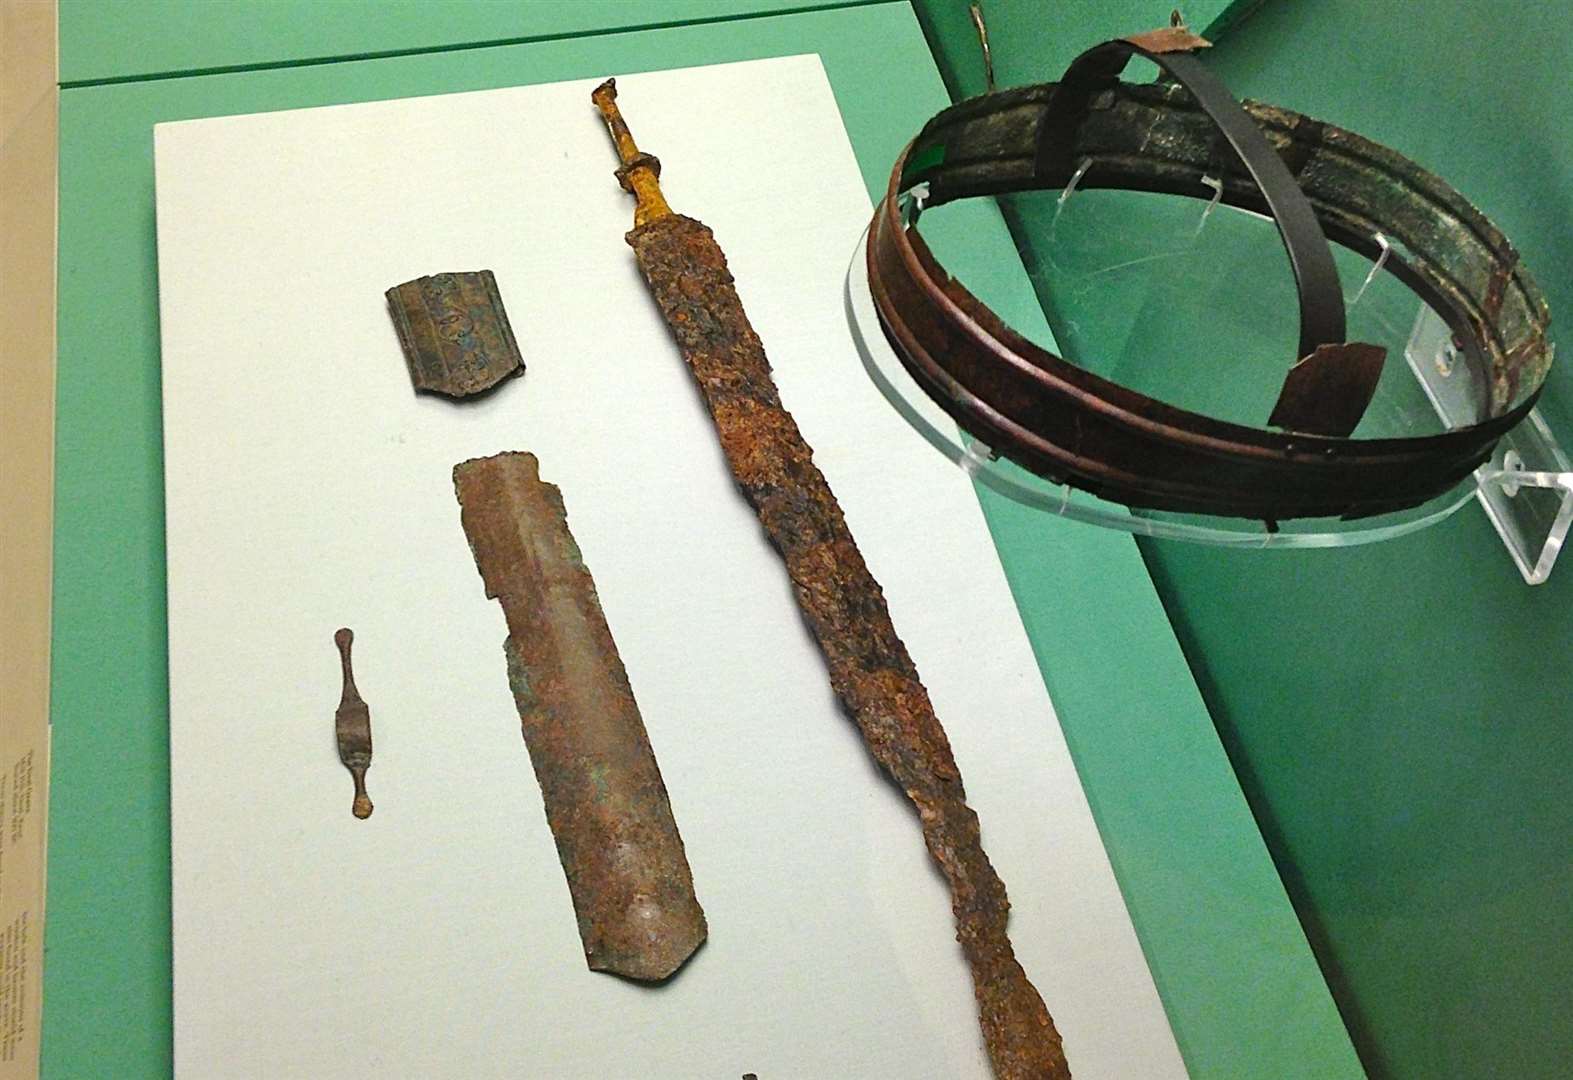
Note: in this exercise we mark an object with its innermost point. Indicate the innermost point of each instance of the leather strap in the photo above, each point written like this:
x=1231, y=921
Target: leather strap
x=1098, y=69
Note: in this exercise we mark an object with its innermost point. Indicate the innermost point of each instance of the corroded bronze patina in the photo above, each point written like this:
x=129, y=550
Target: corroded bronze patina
x=605, y=801
x=353, y=724
x=454, y=333
x=840, y=600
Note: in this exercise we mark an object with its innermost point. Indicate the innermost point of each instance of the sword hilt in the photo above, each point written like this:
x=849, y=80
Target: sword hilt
x=639, y=173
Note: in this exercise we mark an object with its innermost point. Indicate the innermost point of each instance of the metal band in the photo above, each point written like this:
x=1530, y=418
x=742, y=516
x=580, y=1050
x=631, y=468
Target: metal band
x=1063, y=422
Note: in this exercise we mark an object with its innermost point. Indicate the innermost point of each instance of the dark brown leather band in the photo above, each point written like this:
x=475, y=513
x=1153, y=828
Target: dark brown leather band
x=1073, y=427
x=1098, y=69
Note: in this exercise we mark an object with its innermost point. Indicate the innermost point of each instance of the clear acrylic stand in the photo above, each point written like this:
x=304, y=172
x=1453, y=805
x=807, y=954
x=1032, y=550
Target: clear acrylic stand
x=1526, y=489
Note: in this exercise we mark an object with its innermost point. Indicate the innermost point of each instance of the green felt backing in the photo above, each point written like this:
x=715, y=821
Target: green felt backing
x=1237, y=978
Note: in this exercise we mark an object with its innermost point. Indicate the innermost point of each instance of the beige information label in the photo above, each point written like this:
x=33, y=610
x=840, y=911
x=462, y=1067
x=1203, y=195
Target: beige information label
x=28, y=111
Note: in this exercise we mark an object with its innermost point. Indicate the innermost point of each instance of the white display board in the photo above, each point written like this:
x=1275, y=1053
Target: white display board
x=308, y=488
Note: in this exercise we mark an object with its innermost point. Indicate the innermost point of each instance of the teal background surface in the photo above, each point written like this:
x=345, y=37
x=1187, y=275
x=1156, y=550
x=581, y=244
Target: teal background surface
x=109, y=42
x=1237, y=977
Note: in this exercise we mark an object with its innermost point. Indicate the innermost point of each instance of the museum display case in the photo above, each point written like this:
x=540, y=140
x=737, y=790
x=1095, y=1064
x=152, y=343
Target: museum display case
x=935, y=390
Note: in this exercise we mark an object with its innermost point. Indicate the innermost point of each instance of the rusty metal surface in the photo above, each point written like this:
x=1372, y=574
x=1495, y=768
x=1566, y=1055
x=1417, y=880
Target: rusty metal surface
x=870, y=670
x=352, y=723
x=1175, y=38
x=454, y=333
x=632, y=890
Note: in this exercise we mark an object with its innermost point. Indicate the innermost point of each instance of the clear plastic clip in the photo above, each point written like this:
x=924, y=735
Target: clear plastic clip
x=1070, y=189
x=1376, y=268
x=1212, y=204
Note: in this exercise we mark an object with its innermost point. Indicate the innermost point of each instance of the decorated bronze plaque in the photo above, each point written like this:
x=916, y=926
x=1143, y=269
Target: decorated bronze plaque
x=454, y=333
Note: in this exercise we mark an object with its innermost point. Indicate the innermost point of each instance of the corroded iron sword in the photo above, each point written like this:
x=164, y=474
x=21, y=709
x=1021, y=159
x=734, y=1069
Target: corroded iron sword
x=842, y=603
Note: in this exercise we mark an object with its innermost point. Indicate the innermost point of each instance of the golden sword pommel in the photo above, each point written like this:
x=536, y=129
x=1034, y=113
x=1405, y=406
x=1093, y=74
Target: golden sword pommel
x=639, y=172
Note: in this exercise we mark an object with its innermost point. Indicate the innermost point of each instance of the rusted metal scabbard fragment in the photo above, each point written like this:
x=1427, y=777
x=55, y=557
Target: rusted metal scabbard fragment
x=454, y=333
x=605, y=801
x=352, y=723
x=845, y=609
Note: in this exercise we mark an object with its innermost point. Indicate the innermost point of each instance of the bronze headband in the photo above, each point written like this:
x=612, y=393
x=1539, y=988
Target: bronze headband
x=1073, y=427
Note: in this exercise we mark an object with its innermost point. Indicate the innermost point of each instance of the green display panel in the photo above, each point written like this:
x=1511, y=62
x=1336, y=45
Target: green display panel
x=114, y=42
x=1236, y=975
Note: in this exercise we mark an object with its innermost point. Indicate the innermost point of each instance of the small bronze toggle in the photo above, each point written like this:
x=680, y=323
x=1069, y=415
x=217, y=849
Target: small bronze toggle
x=353, y=721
